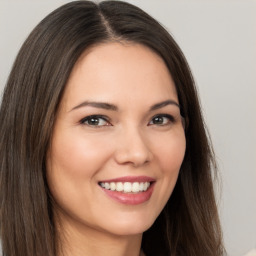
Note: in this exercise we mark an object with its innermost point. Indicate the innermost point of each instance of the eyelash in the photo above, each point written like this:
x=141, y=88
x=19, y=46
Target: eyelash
x=86, y=120
x=169, y=121
x=95, y=117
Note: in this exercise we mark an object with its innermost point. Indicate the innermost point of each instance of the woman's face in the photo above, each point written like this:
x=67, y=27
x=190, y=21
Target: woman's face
x=118, y=141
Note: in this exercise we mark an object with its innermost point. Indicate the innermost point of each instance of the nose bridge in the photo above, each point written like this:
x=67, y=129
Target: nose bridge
x=132, y=146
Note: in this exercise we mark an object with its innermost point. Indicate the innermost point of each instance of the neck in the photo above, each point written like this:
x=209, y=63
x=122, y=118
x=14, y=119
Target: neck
x=86, y=241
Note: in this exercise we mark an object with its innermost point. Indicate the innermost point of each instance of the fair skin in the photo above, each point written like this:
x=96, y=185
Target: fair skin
x=136, y=137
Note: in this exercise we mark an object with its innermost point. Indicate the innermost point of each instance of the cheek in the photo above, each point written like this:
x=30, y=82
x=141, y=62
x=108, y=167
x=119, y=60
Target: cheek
x=75, y=154
x=170, y=157
x=171, y=153
x=72, y=165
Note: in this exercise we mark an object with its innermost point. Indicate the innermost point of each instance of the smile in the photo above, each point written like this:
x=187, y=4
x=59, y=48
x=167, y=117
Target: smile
x=129, y=190
x=126, y=187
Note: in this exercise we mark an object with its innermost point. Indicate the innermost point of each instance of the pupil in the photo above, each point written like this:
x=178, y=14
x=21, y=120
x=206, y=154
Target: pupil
x=93, y=121
x=158, y=120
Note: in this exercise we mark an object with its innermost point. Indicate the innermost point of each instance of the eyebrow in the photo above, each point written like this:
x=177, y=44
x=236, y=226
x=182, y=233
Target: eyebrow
x=163, y=104
x=94, y=104
x=107, y=106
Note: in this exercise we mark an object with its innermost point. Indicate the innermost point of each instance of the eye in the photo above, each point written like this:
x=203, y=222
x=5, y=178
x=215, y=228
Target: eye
x=95, y=120
x=161, y=119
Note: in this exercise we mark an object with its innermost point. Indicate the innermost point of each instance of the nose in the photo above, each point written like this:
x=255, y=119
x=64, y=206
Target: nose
x=132, y=148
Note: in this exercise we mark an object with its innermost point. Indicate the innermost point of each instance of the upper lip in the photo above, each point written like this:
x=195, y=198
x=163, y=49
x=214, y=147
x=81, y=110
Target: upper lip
x=130, y=179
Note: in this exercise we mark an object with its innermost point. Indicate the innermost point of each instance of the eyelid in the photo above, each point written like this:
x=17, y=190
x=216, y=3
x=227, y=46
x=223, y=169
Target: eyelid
x=170, y=117
x=105, y=118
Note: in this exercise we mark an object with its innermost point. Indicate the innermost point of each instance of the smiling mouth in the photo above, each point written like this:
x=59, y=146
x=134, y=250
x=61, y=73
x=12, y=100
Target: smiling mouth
x=129, y=190
x=126, y=187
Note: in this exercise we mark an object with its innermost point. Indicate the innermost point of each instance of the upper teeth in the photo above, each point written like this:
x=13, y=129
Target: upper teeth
x=126, y=187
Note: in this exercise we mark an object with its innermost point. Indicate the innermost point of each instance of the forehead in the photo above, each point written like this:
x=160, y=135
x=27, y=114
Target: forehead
x=112, y=71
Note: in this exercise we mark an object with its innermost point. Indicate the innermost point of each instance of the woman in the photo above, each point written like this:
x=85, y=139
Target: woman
x=103, y=146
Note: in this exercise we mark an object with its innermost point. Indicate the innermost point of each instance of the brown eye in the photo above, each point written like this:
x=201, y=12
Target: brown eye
x=161, y=120
x=95, y=121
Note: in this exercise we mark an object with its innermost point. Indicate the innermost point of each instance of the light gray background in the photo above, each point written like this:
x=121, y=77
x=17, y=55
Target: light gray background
x=219, y=41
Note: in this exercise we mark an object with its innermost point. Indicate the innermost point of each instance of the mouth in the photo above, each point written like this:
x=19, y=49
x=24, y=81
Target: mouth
x=126, y=187
x=129, y=190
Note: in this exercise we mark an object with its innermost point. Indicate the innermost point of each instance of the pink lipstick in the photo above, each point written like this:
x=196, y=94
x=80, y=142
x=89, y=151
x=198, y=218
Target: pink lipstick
x=131, y=190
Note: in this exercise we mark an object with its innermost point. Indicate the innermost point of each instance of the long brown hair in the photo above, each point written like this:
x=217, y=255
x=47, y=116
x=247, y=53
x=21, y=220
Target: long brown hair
x=189, y=223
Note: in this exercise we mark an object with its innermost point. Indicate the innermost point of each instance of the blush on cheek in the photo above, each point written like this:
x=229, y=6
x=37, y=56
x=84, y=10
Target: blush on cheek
x=173, y=157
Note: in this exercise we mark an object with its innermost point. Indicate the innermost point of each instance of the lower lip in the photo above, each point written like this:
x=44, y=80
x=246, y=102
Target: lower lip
x=130, y=198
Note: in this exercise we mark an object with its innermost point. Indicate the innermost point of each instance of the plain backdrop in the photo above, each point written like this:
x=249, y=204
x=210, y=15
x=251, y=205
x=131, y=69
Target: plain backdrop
x=219, y=41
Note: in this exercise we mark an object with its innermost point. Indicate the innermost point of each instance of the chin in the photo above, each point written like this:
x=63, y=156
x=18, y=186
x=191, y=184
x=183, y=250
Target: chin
x=129, y=226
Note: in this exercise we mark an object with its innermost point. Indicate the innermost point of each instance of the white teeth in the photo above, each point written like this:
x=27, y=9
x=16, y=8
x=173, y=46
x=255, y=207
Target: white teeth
x=119, y=186
x=113, y=186
x=145, y=186
x=107, y=186
x=126, y=187
x=135, y=187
